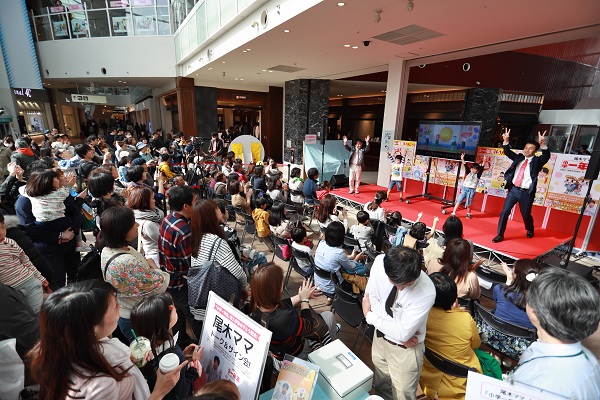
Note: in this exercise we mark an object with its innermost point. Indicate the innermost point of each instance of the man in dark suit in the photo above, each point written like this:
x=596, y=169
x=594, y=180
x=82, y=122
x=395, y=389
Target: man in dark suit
x=521, y=181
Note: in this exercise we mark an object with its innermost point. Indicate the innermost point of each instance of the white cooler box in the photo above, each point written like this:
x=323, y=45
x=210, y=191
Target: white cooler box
x=342, y=374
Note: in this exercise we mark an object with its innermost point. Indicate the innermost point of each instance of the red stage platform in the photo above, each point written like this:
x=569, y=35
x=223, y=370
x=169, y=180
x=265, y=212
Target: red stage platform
x=480, y=229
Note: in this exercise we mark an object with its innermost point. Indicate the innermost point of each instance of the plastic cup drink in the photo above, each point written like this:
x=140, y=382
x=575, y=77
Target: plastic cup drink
x=139, y=350
x=168, y=363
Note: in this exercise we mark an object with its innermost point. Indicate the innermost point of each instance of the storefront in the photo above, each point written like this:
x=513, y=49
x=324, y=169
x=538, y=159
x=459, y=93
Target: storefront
x=34, y=110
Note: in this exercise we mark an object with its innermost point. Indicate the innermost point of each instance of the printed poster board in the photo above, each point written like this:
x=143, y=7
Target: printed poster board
x=238, y=344
x=568, y=188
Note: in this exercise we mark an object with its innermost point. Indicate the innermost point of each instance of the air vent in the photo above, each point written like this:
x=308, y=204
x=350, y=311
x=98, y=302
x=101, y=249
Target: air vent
x=285, y=68
x=407, y=35
x=407, y=55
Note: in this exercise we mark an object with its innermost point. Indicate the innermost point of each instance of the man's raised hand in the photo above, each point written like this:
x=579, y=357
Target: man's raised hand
x=542, y=138
x=506, y=134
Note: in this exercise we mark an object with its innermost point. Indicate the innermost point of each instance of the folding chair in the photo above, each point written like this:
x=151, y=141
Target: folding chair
x=237, y=211
x=278, y=242
x=298, y=255
x=350, y=243
x=349, y=307
x=490, y=276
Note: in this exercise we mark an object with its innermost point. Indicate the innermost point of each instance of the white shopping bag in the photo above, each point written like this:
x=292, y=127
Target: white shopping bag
x=12, y=371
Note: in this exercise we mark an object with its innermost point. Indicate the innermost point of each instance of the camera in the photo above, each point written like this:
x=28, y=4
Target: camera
x=366, y=43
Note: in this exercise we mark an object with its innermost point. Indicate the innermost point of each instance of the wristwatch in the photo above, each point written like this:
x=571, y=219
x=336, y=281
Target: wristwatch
x=305, y=301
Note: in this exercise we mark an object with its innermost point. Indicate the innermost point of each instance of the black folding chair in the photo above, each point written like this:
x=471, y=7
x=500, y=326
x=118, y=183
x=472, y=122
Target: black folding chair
x=306, y=259
x=491, y=276
x=278, y=242
x=323, y=274
x=349, y=307
x=350, y=243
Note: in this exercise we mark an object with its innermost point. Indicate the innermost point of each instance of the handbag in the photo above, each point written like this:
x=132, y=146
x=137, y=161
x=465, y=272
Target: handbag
x=211, y=276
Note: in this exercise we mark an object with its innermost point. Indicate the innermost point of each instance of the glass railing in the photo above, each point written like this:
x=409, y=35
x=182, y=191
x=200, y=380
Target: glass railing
x=76, y=19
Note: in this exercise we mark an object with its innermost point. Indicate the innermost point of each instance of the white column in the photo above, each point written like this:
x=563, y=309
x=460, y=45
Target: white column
x=393, y=116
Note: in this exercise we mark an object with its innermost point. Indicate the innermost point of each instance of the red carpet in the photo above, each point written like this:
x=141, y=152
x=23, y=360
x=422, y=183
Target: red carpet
x=480, y=229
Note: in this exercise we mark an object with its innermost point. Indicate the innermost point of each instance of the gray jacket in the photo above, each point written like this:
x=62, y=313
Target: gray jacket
x=361, y=154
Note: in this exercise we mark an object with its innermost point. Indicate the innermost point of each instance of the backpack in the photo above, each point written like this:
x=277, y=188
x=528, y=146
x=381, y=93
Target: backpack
x=211, y=276
x=89, y=267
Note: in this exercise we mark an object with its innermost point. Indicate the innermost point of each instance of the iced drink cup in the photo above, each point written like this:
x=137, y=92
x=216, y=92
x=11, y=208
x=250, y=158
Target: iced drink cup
x=139, y=350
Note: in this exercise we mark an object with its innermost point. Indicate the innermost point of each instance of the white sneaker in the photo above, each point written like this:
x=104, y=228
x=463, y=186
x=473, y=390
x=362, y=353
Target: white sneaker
x=351, y=191
x=356, y=191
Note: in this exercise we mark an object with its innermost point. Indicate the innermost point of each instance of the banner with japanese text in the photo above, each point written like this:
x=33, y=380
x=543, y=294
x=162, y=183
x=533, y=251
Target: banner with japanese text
x=568, y=187
x=235, y=347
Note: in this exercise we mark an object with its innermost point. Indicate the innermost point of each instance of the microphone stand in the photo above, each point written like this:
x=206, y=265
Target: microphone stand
x=565, y=261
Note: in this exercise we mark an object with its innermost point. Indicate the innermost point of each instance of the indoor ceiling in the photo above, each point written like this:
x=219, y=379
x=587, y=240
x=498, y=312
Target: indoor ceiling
x=350, y=88
x=316, y=39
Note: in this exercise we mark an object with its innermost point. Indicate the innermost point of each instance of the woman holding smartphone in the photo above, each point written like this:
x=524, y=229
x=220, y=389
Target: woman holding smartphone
x=329, y=212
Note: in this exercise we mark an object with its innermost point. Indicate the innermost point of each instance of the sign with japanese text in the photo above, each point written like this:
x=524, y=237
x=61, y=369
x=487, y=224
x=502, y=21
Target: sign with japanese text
x=235, y=347
x=310, y=139
x=88, y=98
x=481, y=387
x=568, y=187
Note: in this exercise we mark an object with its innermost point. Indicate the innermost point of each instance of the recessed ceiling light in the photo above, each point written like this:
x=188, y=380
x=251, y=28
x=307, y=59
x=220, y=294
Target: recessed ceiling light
x=346, y=45
x=223, y=62
x=355, y=47
x=340, y=4
x=248, y=49
x=241, y=79
x=210, y=68
x=236, y=79
x=196, y=74
x=124, y=82
x=264, y=70
x=270, y=71
x=286, y=31
x=120, y=81
x=244, y=51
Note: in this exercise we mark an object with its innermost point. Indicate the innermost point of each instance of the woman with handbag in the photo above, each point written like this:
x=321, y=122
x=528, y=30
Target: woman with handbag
x=123, y=267
x=209, y=244
x=141, y=200
x=294, y=333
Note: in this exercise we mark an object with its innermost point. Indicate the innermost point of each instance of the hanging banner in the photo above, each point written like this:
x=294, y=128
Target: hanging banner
x=567, y=186
x=235, y=347
x=17, y=46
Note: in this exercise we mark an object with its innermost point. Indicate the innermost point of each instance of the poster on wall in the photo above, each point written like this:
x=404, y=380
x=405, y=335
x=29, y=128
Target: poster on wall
x=79, y=27
x=387, y=141
x=568, y=187
x=144, y=24
x=36, y=124
x=60, y=29
x=235, y=346
x=119, y=24
x=408, y=149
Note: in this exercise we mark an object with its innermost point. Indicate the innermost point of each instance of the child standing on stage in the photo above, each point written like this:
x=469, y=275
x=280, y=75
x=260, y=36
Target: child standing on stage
x=396, y=179
x=469, y=184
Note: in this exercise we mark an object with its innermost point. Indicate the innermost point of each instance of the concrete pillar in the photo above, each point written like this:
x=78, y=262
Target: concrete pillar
x=207, y=120
x=393, y=115
x=482, y=104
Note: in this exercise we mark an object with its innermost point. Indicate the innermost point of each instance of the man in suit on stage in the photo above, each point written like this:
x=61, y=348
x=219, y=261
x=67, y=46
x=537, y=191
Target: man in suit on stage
x=521, y=181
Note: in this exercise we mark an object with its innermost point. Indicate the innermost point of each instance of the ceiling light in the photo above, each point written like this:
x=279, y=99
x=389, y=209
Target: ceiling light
x=264, y=70
x=248, y=49
x=241, y=79
x=340, y=4
x=120, y=81
x=410, y=5
x=124, y=82
x=223, y=62
x=210, y=68
x=244, y=51
x=346, y=45
x=236, y=79
x=286, y=31
x=355, y=47
x=196, y=74
x=270, y=71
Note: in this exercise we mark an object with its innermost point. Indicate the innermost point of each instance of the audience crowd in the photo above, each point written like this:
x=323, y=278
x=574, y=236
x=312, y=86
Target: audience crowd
x=158, y=207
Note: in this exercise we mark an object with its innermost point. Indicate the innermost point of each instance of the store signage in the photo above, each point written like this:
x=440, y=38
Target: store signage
x=240, y=97
x=119, y=3
x=23, y=92
x=75, y=7
x=57, y=9
x=88, y=98
x=310, y=139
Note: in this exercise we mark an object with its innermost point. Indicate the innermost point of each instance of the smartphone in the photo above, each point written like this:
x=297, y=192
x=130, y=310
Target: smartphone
x=340, y=208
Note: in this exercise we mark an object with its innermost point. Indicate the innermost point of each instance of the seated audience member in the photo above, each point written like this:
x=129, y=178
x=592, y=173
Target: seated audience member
x=363, y=231
x=456, y=262
x=417, y=236
x=82, y=316
x=324, y=188
x=374, y=207
x=511, y=298
x=207, y=234
x=309, y=189
x=154, y=317
x=226, y=169
x=289, y=328
x=453, y=334
x=331, y=257
x=259, y=180
x=564, y=308
x=238, y=169
x=123, y=267
x=278, y=225
x=23, y=155
x=300, y=239
x=220, y=188
x=240, y=197
x=245, y=255
x=276, y=190
x=148, y=217
x=261, y=219
x=220, y=389
x=328, y=212
x=165, y=167
x=296, y=185
x=17, y=320
x=9, y=190
x=452, y=228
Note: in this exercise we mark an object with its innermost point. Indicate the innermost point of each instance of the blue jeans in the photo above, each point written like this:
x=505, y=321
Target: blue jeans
x=467, y=193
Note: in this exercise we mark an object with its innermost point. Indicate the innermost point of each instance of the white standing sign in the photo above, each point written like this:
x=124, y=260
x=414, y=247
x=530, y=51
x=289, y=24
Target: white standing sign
x=235, y=346
x=481, y=387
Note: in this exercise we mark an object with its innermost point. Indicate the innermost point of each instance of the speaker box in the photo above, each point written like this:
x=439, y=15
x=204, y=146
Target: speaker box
x=575, y=267
x=594, y=166
x=338, y=181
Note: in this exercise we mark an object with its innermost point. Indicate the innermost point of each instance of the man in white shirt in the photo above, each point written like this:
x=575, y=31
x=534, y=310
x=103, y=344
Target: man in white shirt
x=564, y=309
x=521, y=181
x=397, y=301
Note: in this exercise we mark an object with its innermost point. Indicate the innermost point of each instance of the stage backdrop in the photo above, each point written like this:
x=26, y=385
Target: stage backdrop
x=336, y=158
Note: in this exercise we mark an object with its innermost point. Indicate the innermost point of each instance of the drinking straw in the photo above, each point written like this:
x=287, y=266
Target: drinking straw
x=135, y=337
